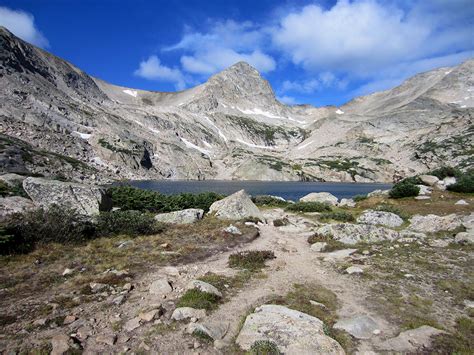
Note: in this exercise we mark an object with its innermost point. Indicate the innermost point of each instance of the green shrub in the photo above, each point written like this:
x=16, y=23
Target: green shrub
x=15, y=190
x=464, y=183
x=130, y=198
x=338, y=216
x=331, y=243
x=358, y=198
x=445, y=171
x=404, y=189
x=197, y=299
x=266, y=200
x=250, y=259
x=127, y=222
x=308, y=207
x=56, y=224
x=264, y=347
x=414, y=180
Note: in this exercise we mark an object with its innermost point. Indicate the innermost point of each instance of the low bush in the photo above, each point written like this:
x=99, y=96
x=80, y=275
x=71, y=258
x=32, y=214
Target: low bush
x=464, y=183
x=267, y=200
x=414, y=180
x=197, y=299
x=264, y=347
x=404, y=189
x=130, y=198
x=338, y=216
x=358, y=198
x=127, y=222
x=332, y=244
x=15, y=190
x=250, y=259
x=445, y=171
x=309, y=207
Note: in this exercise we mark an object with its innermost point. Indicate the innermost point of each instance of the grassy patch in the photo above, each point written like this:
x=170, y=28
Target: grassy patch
x=308, y=207
x=385, y=207
x=358, y=198
x=250, y=260
x=269, y=201
x=332, y=244
x=197, y=299
x=199, y=334
x=337, y=216
x=461, y=341
x=264, y=347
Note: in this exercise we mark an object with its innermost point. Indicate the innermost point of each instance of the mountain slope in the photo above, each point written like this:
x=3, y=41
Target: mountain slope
x=232, y=126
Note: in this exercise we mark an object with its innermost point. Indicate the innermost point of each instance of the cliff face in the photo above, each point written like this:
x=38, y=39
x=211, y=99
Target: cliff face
x=232, y=126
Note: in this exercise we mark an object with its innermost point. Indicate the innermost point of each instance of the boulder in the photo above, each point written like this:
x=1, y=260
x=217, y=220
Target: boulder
x=386, y=219
x=424, y=190
x=14, y=204
x=462, y=203
x=354, y=270
x=432, y=223
x=12, y=179
x=293, y=332
x=236, y=206
x=85, y=199
x=429, y=180
x=378, y=193
x=449, y=180
x=204, y=287
x=318, y=246
x=232, y=230
x=182, y=313
x=215, y=330
x=323, y=197
x=411, y=341
x=468, y=221
x=349, y=233
x=359, y=326
x=339, y=254
x=160, y=287
x=60, y=344
x=347, y=202
x=465, y=237
x=187, y=216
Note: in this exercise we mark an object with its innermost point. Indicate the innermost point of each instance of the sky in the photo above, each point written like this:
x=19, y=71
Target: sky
x=318, y=52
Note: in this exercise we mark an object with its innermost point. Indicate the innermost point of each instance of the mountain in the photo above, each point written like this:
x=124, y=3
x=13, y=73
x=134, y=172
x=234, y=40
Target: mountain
x=231, y=127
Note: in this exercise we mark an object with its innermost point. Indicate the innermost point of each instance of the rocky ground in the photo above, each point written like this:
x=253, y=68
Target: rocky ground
x=383, y=282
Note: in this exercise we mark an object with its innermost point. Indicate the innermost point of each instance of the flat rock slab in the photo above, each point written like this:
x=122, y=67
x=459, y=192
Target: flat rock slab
x=160, y=287
x=216, y=331
x=187, y=216
x=411, y=340
x=359, y=326
x=292, y=331
x=204, y=287
x=382, y=218
x=182, y=313
x=349, y=233
x=339, y=254
x=432, y=223
x=322, y=197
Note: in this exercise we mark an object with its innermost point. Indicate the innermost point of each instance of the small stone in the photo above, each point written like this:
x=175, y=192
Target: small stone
x=97, y=287
x=359, y=326
x=409, y=276
x=366, y=252
x=182, y=313
x=67, y=272
x=468, y=303
x=106, y=339
x=204, y=287
x=60, y=344
x=127, y=287
x=144, y=346
x=196, y=345
x=462, y=203
x=422, y=197
x=160, y=287
x=118, y=300
x=69, y=319
x=318, y=246
x=132, y=324
x=148, y=316
x=354, y=270
x=317, y=304
x=233, y=230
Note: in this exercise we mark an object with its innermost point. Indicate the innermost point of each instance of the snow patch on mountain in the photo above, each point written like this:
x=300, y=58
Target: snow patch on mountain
x=194, y=146
x=253, y=145
x=133, y=93
x=340, y=112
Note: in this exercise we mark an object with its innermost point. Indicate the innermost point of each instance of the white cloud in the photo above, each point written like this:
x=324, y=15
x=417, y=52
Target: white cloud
x=226, y=43
x=289, y=100
x=22, y=24
x=152, y=69
x=324, y=80
x=361, y=37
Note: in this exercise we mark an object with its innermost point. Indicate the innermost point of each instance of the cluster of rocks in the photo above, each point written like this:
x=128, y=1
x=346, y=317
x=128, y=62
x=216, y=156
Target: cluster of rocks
x=328, y=198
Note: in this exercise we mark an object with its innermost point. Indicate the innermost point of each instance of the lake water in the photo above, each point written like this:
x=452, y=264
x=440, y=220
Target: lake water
x=290, y=190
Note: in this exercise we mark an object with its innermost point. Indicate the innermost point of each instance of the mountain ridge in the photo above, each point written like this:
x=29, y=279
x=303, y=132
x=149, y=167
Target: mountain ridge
x=232, y=126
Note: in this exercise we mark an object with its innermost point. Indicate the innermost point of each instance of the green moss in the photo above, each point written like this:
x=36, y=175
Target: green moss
x=251, y=259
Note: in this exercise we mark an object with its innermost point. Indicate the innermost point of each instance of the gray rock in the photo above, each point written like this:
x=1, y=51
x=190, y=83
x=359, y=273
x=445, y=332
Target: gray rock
x=410, y=341
x=12, y=179
x=349, y=233
x=432, y=223
x=386, y=219
x=233, y=230
x=160, y=287
x=465, y=237
x=468, y=221
x=318, y=246
x=429, y=180
x=378, y=193
x=14, y=204
x=424, y=190
x=97, y=287
x=60, y=343
x=187, y=216
x=292, y=331
x=439, y=243
x=85, y=199
x=183, y=313
x=422, y=197
x=148, y=316
x=462, y=203
x=449, y=180
x=107, y=339
x=236, y=206
x=132, y=324
x=339, y=254
x=322, y=197
x=354, y=270
x=359, y=326
x=216, y=331
x=204, y=287
x=347, y=202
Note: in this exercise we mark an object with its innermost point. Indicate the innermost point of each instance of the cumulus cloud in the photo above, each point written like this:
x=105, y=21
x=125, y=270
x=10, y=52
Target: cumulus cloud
x=224, y=44
x=324, y=80
x=289, y=100
x=152, y=69
x=364, y=36
x=22, y=24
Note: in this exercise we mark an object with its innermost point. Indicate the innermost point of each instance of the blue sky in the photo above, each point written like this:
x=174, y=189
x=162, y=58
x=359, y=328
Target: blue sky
x=317, y=52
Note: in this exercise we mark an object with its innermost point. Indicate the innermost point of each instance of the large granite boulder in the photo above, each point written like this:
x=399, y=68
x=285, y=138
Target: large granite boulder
x=293, y=332
x=429, y=180
x=359, y=326
x=351, y=234
x=323, y=197
x=12, y=179
x=411, y=341
x=14, y=204
x=236, y=206
x=187, y=216
x=432, y=223
x=382, y=218
x=85, y=199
